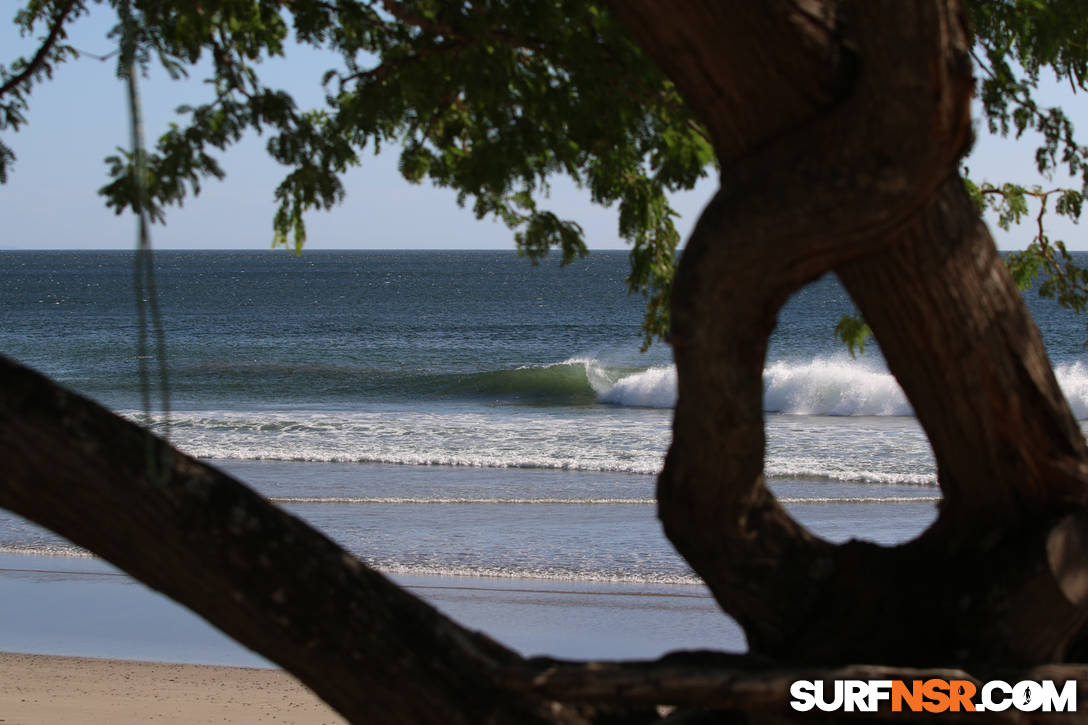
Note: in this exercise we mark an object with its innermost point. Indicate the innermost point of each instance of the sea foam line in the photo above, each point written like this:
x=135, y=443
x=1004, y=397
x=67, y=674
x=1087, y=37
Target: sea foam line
x=407, y=500
x=455, y=500
x=494, y=572
x=605, y=577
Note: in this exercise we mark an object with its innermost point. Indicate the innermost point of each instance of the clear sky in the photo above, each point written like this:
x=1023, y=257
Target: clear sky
x=75, y=121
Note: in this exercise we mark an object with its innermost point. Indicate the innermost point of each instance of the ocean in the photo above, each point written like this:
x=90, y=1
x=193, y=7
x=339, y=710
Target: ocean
x=466, y=416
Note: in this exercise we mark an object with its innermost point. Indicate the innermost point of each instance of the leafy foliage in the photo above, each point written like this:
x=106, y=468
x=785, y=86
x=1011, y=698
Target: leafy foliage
x=854, y=333
x=19, y=78
x=491, y=99
x=1016, y=41
x=1061, y=279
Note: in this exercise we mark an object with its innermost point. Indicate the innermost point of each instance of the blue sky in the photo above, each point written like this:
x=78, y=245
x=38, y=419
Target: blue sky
x=50, y=200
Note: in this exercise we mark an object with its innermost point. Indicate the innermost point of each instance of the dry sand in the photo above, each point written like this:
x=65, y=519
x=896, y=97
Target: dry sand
x=68, y=690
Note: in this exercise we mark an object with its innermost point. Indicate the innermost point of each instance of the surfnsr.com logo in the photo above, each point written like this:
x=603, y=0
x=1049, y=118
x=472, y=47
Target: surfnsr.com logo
x=933, y=695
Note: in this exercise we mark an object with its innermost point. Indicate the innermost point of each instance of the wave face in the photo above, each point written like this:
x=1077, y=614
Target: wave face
x=833, y=387
x=820, y=387
x=573, y=382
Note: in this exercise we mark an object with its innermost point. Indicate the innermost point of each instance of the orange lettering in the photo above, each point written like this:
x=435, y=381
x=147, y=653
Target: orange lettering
x=961, y=692
x=913, y=696
x=935, y=690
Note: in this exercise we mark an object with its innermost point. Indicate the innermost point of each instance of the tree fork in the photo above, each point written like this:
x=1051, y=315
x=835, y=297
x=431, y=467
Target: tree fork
x=1012, y=462
x=841, y=180
x=984, y=392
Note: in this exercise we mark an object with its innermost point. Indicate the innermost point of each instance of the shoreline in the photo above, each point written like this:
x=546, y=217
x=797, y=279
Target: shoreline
x=75, y=690
x=85, y=608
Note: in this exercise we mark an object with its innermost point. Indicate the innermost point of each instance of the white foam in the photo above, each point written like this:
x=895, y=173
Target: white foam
x=824, y=386
x=464, y=501
x=859, y=499
x=832, y=387
x=600, y=377
x=839, y=387
x=615, y=443
x=66, y=550
x=651, y=388
x=1073, y=379
x=424, y=501
x=833, y=472
x=542, y=573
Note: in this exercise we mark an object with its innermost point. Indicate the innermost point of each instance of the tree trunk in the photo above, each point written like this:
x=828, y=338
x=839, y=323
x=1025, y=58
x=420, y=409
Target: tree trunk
x=851, y=166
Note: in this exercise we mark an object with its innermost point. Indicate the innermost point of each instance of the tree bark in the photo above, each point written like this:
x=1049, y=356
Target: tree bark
x=745, y=684
x=851, y=166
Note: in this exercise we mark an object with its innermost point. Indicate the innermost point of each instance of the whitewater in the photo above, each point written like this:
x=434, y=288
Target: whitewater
x=832, y=386
x=817, y=410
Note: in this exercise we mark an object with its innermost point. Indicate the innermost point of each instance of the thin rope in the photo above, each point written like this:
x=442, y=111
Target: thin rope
x=147, y=298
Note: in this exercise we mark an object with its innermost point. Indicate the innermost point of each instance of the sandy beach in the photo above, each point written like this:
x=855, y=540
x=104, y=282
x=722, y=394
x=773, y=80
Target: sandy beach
x=72, y=690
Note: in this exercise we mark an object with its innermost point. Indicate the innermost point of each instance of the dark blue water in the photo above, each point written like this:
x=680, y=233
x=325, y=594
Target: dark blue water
x=326, y=327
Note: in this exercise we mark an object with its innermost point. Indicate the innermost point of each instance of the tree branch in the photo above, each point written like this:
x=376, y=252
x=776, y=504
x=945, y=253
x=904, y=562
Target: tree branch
x=429, y=26
x=39, y=58
x=381, y=71
x=749, y=684
x=262, y=576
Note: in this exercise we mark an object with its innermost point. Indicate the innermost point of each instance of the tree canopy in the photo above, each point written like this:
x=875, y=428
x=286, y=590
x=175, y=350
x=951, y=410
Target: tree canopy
x=491, y=101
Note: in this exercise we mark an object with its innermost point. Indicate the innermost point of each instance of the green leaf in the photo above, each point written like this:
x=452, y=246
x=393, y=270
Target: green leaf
x=853, y=331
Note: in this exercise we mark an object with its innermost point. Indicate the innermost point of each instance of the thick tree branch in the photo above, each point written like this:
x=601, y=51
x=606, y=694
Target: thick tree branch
x=270, y=581
x=38, y=61
x=857, y=173
x=748, y=684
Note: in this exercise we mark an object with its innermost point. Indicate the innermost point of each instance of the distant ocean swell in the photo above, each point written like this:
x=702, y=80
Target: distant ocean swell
x=835, y=386
x=828, y=419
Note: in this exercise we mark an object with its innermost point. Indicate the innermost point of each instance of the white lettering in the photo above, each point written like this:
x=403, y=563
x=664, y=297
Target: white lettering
x=988, y=700
x=1064, y=701
x=1027, y=696
x=855, y=695
x=878, y=690
x=834, y=704
x=803, y=697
